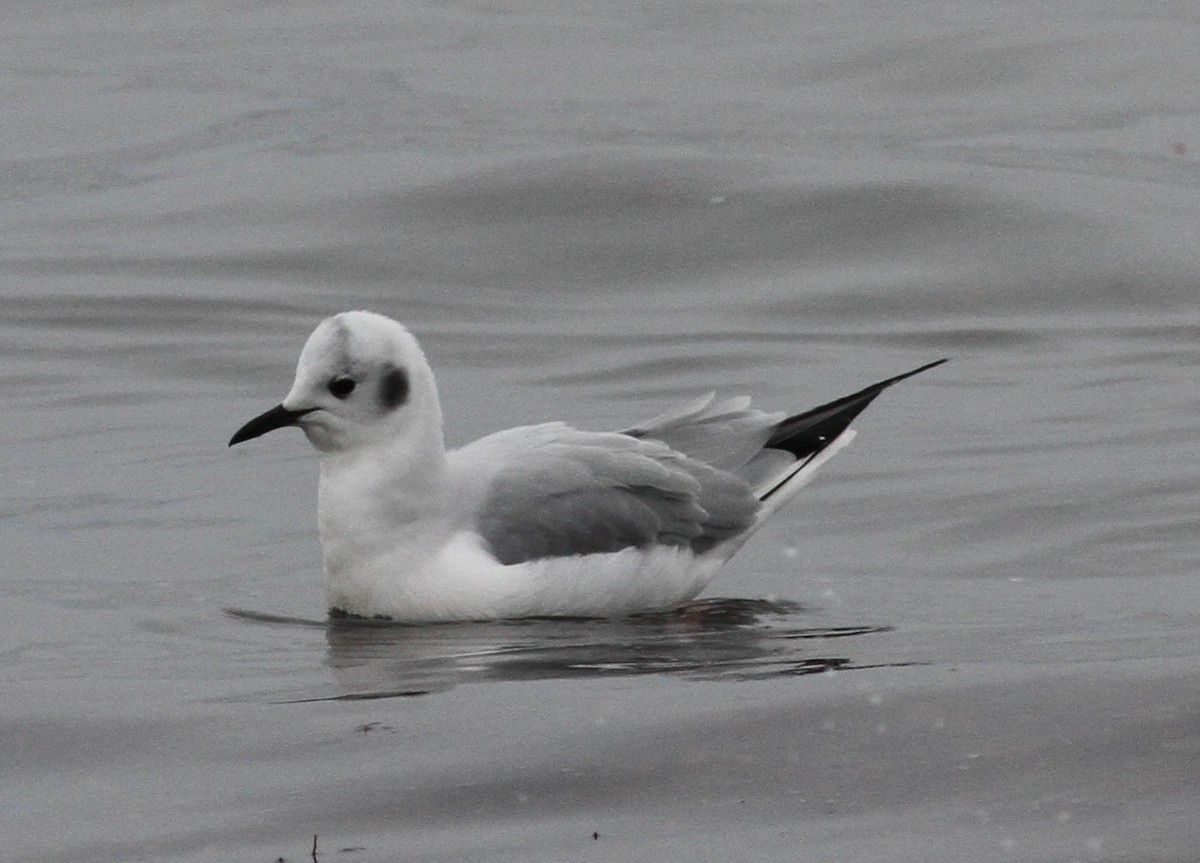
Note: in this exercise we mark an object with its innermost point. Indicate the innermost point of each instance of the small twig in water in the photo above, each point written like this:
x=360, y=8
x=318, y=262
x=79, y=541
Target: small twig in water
x=314, y=854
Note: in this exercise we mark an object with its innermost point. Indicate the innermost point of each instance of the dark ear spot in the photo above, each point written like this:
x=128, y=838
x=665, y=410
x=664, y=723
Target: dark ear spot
x=393, y=389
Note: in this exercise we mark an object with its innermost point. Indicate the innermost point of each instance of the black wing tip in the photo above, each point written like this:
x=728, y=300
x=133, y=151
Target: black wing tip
x=807, y=433
x=884, y=384
x=928, y=366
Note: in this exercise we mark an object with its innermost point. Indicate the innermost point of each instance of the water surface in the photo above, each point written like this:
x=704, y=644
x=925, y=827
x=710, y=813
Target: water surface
x=973, y=638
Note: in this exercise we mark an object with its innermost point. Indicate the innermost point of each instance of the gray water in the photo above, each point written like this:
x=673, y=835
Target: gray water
x=975, y=637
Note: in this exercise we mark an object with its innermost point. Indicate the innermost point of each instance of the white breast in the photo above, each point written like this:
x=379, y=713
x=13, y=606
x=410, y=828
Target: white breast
x=464, y=582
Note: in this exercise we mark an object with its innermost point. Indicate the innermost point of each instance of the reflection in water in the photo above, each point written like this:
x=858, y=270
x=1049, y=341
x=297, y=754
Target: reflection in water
x=714, y=639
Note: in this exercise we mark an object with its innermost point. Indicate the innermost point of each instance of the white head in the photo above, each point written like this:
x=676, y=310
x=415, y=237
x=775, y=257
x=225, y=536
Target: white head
x=361, y=381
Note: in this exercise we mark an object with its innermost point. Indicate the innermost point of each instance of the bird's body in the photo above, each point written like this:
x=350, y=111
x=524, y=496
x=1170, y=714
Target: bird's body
x=542, y=520
x=465, y=543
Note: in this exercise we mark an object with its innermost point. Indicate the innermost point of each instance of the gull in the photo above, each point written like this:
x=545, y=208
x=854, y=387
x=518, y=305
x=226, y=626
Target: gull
x=537, y=521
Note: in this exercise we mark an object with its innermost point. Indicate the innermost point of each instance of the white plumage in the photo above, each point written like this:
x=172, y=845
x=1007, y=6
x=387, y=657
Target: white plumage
x=541, y=520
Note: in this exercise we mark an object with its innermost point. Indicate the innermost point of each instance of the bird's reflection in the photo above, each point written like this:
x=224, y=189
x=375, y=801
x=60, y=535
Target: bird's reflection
x=728, y=639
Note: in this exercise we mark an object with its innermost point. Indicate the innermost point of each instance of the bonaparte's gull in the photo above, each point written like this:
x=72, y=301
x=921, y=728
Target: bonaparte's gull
x=541, y=520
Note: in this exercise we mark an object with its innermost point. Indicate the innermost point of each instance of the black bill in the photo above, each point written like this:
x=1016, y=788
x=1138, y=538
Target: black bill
x=276, y=417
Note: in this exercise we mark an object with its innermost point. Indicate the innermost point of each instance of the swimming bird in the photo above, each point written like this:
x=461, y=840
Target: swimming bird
x=536, y=521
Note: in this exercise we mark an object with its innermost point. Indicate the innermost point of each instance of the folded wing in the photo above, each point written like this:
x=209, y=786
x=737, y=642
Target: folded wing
x=702, y=476
x=555, y=491
x=725, y=434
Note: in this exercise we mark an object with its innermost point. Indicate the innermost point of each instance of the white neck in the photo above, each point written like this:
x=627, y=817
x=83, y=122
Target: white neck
x=381, y=500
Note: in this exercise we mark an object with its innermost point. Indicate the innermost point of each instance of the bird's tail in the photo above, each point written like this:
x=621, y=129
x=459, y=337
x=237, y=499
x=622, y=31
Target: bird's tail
x=800, y=445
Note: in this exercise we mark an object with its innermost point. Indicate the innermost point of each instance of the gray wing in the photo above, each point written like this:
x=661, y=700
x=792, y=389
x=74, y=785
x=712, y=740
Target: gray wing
x=554, y=491
x=726, y=434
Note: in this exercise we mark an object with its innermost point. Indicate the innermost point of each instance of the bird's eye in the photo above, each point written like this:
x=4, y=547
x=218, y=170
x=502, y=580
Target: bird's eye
x=341, y=387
